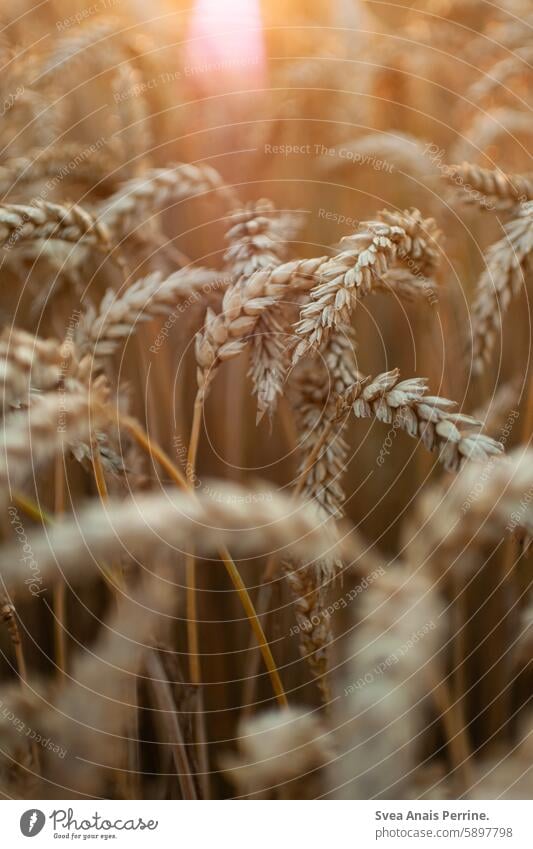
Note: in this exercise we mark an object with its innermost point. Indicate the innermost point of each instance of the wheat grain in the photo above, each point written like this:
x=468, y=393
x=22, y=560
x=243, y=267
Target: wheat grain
x=226, y=334
x=258, y=237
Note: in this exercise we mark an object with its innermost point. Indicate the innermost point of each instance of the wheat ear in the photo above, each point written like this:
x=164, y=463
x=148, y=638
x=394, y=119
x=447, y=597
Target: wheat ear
x=258, y=239
x=101, y=332
x=493, y=188
x=387, y=672
x=405, y=404
x=47, y=220
x=155, y=190
x=368, y=257
x=280, y=756
x=247, y=521
x=27, y=362
x=53, y=421
x=506, y=266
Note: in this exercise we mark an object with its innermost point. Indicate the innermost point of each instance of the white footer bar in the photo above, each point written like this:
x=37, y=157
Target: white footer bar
x=267, y=825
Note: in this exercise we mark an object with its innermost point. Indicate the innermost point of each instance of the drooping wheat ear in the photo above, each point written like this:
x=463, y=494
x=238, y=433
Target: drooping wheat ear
x=493, y=188
x=405, y=404
x=353, y=272
x=280, y=756
x=258, y=239
x=75, y=46
x=52, y=421
x=507, y=263
x=248, y=521
x=226, y=334
x=46, y=220
x=502, y=123
x=388, y=670
x=101, y=332
x=68, y=161
x=27, y=362
x=270, y=357
x=496, y=75
x=157, y=189
x=391, y=152
x=315, y=385
x=484, y=503
x=314, y=392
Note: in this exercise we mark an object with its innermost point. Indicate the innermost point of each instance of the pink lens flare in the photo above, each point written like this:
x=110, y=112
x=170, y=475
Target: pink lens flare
x=226, y=44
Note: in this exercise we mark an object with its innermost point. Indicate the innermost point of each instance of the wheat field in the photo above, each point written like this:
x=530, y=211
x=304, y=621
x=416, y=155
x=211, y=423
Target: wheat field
x=267, y=489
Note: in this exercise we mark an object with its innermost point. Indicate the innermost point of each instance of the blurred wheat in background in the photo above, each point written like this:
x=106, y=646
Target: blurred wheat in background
x=267, y=490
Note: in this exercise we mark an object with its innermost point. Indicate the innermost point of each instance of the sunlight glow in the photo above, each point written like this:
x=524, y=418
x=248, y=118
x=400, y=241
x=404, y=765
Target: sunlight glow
x=226, y=41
